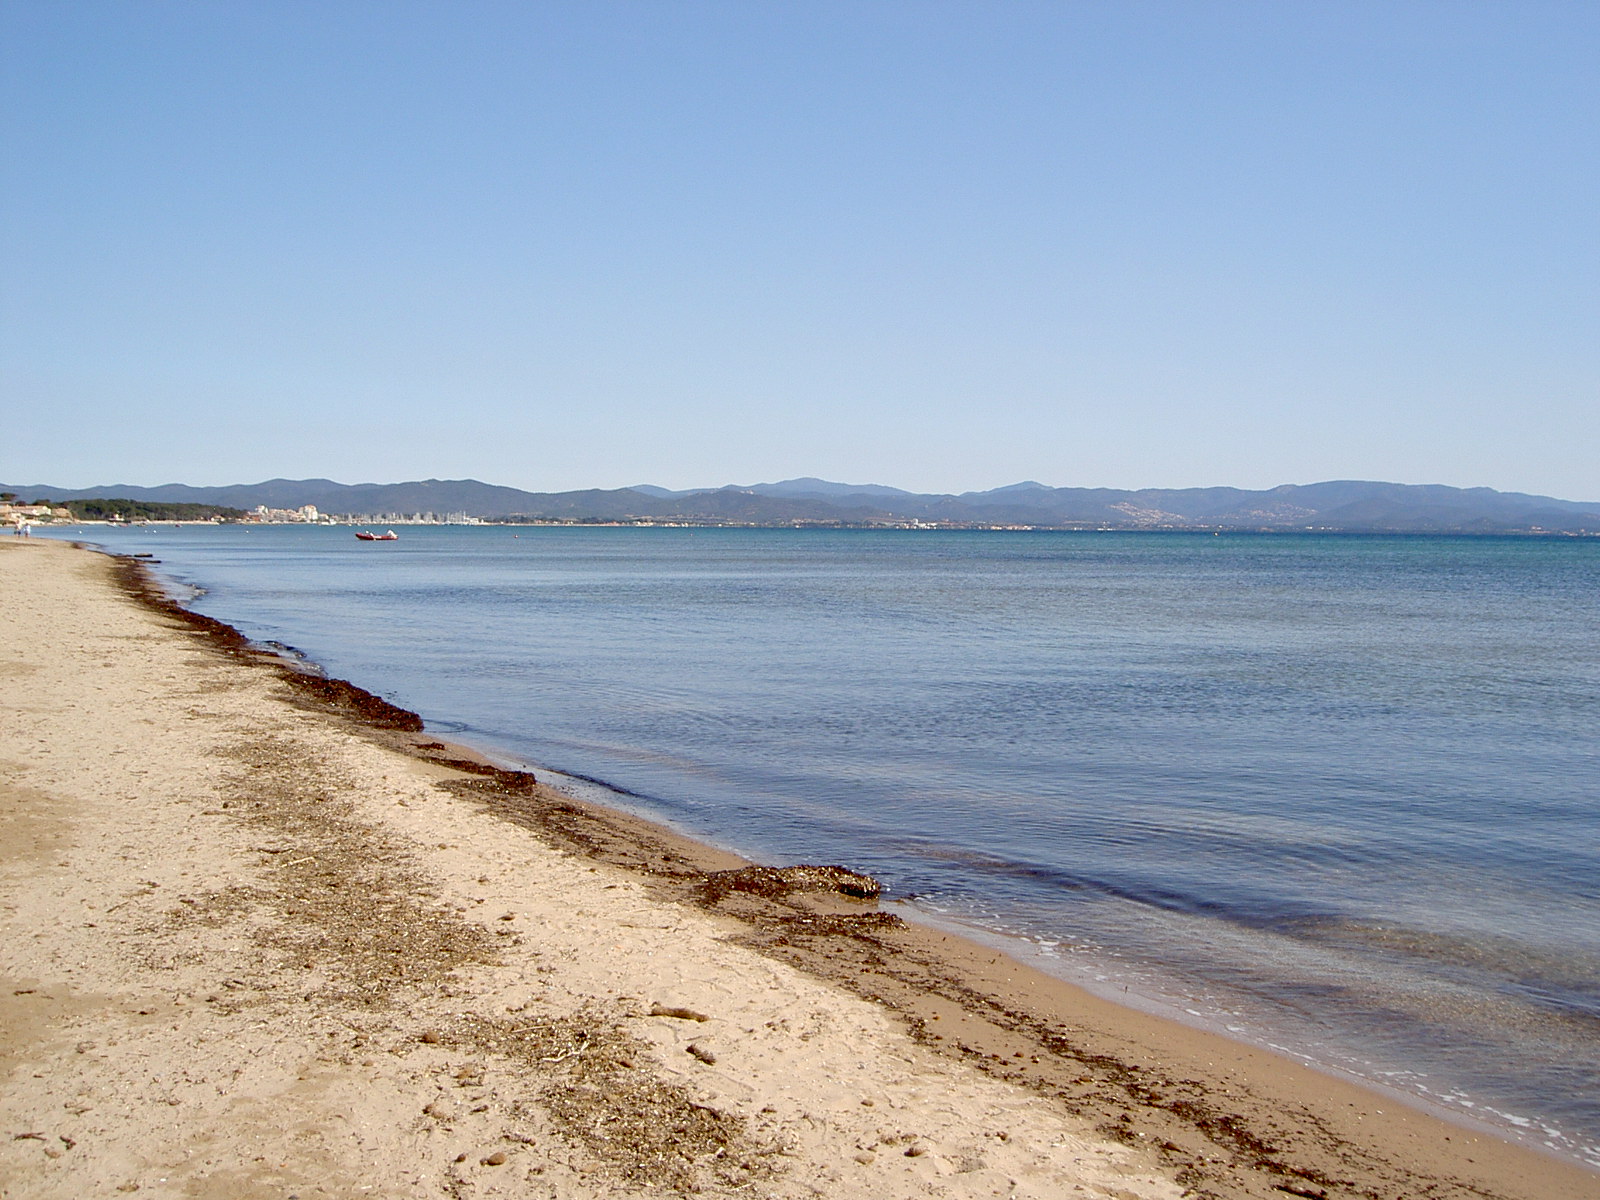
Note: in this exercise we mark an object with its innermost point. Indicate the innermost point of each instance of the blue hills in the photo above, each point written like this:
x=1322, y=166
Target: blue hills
x=1338, y=505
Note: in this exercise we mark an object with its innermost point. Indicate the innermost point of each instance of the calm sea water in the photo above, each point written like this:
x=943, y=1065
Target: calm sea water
x=1338, y=795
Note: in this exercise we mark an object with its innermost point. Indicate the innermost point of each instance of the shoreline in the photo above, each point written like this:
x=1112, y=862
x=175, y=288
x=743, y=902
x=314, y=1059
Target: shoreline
x=1161, y=1007
x=1215, y=1116
x=1158, y=1002
x=825, y=526
x=940, y=939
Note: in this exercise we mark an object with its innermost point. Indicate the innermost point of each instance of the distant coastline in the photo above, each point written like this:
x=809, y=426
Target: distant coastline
x=1346, y=506
x=431, y=520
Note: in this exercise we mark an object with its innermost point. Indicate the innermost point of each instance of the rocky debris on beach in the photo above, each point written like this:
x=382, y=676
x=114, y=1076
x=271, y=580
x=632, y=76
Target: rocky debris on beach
x=777, y=882
x=681, y=1014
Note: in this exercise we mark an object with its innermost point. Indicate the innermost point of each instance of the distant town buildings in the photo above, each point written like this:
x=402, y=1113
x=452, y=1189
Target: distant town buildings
x=306, y=514
x=421, y=518
x=112, y=512
x=18, y=516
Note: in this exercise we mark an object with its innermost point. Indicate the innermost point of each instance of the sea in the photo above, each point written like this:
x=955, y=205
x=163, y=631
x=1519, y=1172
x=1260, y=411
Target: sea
x=1334, y=795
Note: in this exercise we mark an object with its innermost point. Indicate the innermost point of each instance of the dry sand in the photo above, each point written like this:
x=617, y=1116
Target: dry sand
x=253, y=944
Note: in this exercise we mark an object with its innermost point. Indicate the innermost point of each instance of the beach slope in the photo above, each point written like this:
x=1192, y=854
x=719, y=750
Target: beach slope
x=257, y=938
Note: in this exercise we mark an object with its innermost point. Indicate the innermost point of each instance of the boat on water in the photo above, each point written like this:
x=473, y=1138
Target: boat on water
x=366, y=535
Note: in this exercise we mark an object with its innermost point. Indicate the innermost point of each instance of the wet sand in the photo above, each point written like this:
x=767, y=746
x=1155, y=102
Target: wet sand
x=263, y=936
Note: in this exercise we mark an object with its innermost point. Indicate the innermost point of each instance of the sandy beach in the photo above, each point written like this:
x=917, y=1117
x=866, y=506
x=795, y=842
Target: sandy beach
x=261, y=935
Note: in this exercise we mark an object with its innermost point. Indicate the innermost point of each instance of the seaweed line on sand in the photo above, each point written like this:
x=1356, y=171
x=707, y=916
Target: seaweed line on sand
x=821, y=919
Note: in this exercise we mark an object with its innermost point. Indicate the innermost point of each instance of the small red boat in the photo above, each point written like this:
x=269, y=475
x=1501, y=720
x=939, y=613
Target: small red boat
x=366, y=535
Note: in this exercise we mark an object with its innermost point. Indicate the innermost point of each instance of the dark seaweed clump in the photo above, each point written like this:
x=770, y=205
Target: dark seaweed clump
x=775, y=882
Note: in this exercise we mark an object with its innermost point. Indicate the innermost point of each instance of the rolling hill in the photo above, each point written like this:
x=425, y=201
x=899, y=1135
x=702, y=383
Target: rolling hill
x=1342, y=505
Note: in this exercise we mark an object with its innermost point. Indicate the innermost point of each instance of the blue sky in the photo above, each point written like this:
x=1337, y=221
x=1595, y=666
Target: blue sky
x=945, y=246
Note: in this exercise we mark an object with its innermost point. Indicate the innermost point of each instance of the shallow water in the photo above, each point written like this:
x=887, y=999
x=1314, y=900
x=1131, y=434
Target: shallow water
x=1337, y=794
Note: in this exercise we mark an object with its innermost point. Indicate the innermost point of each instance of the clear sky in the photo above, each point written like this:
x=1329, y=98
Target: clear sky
x=940, y=245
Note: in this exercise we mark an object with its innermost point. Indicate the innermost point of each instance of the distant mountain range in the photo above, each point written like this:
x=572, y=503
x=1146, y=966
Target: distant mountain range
x=1345, y=505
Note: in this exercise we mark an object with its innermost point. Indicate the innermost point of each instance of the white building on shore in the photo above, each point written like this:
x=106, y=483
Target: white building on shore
x=306, y=514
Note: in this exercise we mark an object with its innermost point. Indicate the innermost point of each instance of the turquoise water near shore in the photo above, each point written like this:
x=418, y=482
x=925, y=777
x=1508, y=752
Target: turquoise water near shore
x=1338, y=795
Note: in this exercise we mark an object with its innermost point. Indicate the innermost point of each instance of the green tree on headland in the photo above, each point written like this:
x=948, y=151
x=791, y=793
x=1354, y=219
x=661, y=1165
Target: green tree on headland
x=146, y=510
